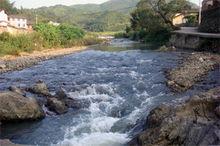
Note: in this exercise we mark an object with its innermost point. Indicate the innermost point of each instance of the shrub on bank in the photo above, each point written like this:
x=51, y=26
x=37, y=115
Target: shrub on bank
x=13, y=45
x=45, y=36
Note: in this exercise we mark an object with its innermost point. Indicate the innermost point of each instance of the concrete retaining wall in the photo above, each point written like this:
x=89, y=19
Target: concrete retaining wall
x=195, y=42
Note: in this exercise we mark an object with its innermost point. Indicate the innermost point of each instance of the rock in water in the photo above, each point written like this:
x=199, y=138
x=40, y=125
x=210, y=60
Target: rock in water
x=56, y=105
x=6, y=142
x=16, y=90
x=40, y=88
x=2, y=65
x=61, y=94
x=193, y=122
x=15, y=107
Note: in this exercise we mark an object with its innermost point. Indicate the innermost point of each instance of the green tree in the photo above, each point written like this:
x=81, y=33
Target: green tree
x=8, y=7
x=70, y=32
x=50, y=33
x=152, y=19
x=167, y=9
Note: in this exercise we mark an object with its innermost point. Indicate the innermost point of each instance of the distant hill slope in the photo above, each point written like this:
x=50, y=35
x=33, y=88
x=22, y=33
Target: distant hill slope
x=109, y=16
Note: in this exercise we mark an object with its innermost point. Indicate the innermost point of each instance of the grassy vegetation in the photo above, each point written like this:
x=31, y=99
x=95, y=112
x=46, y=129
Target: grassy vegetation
x=45, y=36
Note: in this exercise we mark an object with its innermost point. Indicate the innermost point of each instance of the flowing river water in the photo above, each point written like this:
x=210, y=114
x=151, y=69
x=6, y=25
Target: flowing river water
x=122, y=81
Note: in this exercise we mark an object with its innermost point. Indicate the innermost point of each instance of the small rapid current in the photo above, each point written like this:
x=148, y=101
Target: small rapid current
x=123, y=81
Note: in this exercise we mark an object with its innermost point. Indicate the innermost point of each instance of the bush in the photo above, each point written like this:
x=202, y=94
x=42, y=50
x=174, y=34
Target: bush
x=50, y=33
x=46, y=36
x=69, y=32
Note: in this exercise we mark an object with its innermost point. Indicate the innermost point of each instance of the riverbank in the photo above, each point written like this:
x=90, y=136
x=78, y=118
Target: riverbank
x=24, y=60
x=191, y=122
x=193, y=69
x=75, y=84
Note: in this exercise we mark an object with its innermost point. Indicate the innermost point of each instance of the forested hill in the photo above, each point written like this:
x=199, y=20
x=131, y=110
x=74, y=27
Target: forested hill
x=113, y=15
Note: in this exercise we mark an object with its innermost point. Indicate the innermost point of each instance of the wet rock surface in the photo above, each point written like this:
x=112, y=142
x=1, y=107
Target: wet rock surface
x=6, y=142
x=15, y=107
x=193, y=69
x=40, y=88
x=193, y=122
x=17, y=90
x=56, y=105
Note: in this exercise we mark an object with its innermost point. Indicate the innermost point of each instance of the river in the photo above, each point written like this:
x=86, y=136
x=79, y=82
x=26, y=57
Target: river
x=122, y=80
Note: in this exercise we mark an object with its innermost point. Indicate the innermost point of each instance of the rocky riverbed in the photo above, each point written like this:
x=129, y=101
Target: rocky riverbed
x=193, y=122
x=106, y=97
x=12, y=63
x=193, y=69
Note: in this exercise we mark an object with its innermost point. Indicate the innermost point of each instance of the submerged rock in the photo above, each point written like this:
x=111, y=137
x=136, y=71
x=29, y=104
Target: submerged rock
x=40, y=88
x=77, y=104
x=56, y=105
x=15, y=107
x=61, y=94
x=194, y=122
x=191, y=71
x=6, y=142
x=2, y=65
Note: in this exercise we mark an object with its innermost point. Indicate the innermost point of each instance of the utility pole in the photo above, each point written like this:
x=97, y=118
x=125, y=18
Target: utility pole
x=200, y=12
x=36, y=19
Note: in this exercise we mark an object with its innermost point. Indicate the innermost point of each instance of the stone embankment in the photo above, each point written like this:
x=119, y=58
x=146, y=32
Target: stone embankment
x=194, y=122
x=193, y=69
x=12, y=63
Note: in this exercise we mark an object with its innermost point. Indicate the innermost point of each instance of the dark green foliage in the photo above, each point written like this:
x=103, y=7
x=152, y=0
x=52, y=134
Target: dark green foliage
x=49, y=32
x=69, y=32
x=191, y=21
x=152, y=20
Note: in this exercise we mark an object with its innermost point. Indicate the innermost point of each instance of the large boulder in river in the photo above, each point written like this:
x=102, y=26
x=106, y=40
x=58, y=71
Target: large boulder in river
x=57, y=105
x=15, y=107
x=194, y=122
x=40, y=88
x=71, y=102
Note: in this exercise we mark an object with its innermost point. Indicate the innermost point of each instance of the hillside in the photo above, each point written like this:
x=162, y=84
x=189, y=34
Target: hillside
x=109, y=16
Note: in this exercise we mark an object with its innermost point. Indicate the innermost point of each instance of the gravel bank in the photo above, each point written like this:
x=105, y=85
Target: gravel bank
x=193, y=69
x=12, y=63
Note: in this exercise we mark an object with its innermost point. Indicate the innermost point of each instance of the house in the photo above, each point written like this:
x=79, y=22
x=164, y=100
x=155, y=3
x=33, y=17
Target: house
x=54, y=23
x=19, y=22
x=15, y=21
x=182, y=18
x=3, y=19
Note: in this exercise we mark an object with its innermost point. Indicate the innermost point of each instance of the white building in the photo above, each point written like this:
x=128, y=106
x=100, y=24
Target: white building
x=13, y=20
x=54, y=23
x=3, y=19
x=18, y=21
